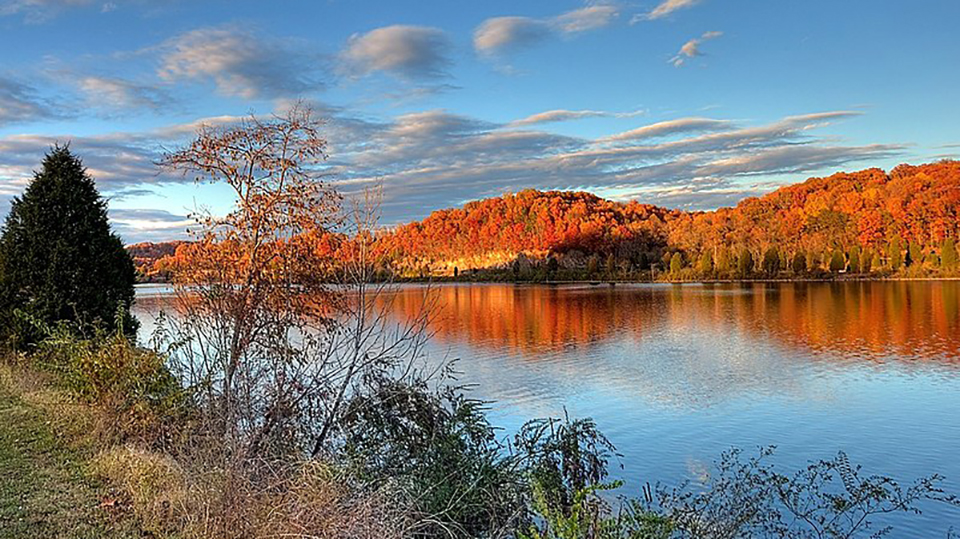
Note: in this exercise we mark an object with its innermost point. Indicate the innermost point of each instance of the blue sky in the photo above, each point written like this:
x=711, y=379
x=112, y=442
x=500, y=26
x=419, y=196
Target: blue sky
x=691, y=104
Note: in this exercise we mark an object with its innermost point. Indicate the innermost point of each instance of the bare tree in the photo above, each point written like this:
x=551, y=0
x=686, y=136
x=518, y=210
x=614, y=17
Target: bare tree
x=279, y=321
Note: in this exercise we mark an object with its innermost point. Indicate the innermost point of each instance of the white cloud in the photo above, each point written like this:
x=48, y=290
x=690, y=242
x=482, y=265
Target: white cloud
x=433, y=159
x=501, y=34
x=586, y=18
x=691, y=49
x=669, y=127
x=562, y=115
x=113, y=93
x=240, y=63
x=413, y=52
x=666, y=8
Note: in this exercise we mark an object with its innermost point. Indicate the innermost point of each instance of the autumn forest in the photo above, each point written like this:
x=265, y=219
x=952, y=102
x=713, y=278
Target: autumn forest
x=868, y=223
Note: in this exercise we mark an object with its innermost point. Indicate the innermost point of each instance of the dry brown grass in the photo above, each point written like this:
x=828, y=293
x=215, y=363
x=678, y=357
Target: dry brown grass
x=195, y=490
x=203, y=499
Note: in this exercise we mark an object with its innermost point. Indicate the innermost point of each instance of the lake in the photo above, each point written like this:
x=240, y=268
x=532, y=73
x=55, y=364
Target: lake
x=676, y=374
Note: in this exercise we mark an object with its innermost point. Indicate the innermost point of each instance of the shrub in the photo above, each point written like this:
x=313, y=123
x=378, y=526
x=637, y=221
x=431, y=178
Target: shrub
x=438, y=447
x=132, y=387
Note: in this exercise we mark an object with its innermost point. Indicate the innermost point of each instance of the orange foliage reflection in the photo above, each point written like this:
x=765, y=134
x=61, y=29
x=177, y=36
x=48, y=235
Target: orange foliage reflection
x=865, y=320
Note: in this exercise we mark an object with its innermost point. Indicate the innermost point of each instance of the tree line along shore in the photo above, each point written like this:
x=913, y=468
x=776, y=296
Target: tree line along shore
x=868, y=224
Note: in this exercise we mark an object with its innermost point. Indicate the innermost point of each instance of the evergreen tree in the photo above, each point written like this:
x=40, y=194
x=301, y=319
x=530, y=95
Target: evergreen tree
x=867, y=260
x=745, y=263
x=552, y=266
x=799, y=264
x=676, y=264
x=914, y=254
x=837, y=262
x=948, y=254
x=724, y=261
x=894, y=254
x=706, y=264
x=854, y=259
x=875, y=262
x=59, y=260
x=771, y=261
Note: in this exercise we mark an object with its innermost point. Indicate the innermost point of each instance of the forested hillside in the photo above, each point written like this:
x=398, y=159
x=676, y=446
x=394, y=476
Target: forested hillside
x=902, y=222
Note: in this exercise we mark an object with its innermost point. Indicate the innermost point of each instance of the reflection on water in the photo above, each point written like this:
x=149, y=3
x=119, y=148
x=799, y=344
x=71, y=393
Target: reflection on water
x=677, y=374
x=870, y=320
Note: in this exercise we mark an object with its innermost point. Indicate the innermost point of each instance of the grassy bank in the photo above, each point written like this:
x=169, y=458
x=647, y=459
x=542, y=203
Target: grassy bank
x=49, y=489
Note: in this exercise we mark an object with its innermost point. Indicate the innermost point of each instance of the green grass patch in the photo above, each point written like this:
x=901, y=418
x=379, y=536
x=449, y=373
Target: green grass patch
x=45, y=490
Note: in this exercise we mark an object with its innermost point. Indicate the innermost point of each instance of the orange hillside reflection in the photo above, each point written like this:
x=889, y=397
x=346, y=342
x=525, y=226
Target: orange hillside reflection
x=867, y=320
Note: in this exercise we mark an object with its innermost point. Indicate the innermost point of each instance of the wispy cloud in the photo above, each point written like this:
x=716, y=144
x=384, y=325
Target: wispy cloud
x=501, y=34
x=136, y=225
x=40, y=11
x=669, y=127
x=411, y=52
x=20, y=103
x=691, y=49
x=436, y=158
x=240, y=63
x=112, y=94
x=562, y=115
x=665, y=8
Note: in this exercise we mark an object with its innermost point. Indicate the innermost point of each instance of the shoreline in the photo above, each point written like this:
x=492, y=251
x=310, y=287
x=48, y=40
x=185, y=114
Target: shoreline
x=613, y=282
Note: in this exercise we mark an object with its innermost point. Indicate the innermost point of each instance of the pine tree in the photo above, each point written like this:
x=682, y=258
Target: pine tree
x=894, y=254
x=867, y=260
x=59, y=260
x=676, y=264
x=854, y=259
x=724, y=262
x=745, y=263
x=799, y=262
x=948, y=254
x=914, y=254
x=771, y=261
x=706, y=264
x=837, y=262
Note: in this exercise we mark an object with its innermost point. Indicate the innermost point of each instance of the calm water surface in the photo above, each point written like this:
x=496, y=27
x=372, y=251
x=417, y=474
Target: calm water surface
x=674, y=375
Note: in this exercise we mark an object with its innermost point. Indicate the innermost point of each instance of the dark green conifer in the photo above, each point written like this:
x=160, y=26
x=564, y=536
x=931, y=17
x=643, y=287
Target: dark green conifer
x=59, y=260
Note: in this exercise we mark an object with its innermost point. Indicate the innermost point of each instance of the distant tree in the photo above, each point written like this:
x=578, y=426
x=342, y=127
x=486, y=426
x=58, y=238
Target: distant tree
x=552, y=266
x=853, y=259
x=799, y=264
x=456, y=272
x=931, y=260
x=895, y=253
x=948, y=254
x=771, y=261
x=725, y=262
x=745, y=263
x=875, y=262
x=593, y=266
x=610, y=266
x=516, y=268
x=837, y=261
x=705, y=265
x=59, y=260
x=676, y=263
x=643, y=261
x=914, y=254
x=866, y=260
